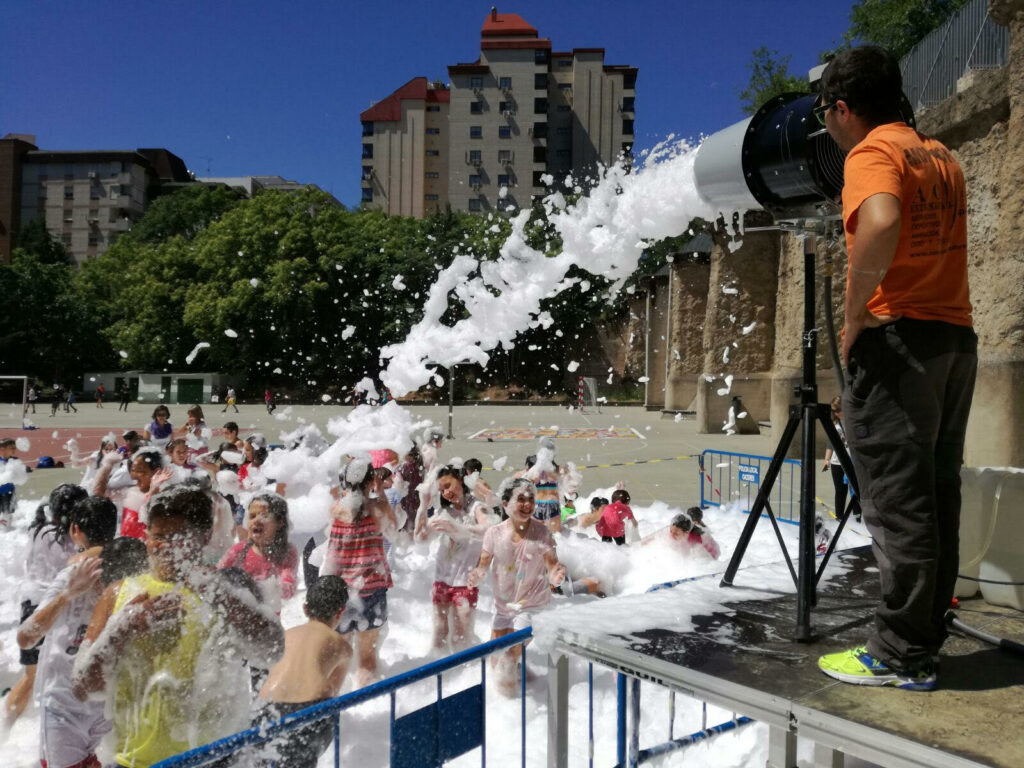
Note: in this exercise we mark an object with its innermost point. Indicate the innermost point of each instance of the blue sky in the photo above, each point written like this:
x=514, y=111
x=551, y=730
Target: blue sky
x=261, y=87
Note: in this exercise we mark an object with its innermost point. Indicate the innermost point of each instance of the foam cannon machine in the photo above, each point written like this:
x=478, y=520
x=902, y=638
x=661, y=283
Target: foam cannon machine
x=782, y=161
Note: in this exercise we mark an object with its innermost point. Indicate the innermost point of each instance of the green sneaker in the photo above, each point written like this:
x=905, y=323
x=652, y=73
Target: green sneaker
x=859, y=667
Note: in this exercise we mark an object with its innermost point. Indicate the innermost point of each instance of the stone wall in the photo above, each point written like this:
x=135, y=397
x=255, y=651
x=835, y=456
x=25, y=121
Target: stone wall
x=984, y=126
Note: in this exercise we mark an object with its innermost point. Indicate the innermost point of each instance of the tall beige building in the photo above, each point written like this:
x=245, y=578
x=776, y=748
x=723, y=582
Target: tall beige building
x=488, y=141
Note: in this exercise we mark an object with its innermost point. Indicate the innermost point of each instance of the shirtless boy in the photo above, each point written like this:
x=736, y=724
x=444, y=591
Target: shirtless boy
x=312, y=669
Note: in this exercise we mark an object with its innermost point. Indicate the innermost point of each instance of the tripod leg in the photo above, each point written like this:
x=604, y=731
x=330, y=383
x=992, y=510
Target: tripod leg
x=847, y=464
x=763, y=494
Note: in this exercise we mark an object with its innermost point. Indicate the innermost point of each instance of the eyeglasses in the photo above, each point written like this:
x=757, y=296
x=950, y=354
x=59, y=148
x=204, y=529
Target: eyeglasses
x=820, y=110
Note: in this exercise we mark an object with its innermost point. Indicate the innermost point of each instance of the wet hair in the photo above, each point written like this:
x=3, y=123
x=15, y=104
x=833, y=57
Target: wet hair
x=172, y=444
x=696, y=514
x=868, y=79
x=325, y=598
x=197, y=411
x=151, y=457
x=518, y=482
x=108, y=440
x=8, y=442
x=450, y=470
x=472, y=465
x=161, y=409
x=597, y=502
x=96, y=516
x=531, y=460
x=219, y=454
x=54, y=515
x=123, y=557
x=277, y=552
x=382, y=473
x=231, y=426
x=259, y=448
x=356, y=474
x=683, y=522
x=187, y=501
x=621, y=495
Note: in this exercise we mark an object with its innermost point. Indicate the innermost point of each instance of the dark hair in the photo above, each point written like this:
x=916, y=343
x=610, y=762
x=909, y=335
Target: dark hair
x=238, y=578
x=597, y=502
x=519, y=482
x=362, y=482
x=55, y=514
x=696, y=514
x=150, y=457
x=230, y=425
x=161, y=408
x=450, y=470
x=7, y=442
x=277, y=552
x=868, y=79
x=836, y=405
x=100, y=454
x=123, y=557
x=185, y=501
x=531, y=460
x=197, y=411
x=325, y=598
x=259, y=448
x=97, y=517
x=683, y=522
x=621, y=495
x=172, y=444
x=382, y=473
x=472, y=465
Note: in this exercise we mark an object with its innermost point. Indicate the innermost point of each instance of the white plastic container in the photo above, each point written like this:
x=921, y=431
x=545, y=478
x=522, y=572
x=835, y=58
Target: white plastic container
x=977, y=489
x=1004, y=557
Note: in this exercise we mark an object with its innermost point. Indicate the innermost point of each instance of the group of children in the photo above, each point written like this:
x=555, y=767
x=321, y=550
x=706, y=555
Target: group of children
x=177, y=620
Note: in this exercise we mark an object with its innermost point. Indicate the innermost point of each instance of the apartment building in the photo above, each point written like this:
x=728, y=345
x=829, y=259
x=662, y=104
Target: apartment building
x=520, y=115
x=86, y=197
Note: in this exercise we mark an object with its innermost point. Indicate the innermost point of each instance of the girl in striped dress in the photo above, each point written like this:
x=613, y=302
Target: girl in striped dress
x=355, y=552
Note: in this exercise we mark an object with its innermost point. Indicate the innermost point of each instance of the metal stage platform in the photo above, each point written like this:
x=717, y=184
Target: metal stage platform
x=740, y=657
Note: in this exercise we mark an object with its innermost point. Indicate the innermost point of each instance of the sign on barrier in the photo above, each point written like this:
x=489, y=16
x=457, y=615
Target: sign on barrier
x=735, y=478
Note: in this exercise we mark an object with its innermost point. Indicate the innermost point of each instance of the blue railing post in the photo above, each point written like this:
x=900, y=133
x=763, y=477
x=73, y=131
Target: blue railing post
x=620, y=748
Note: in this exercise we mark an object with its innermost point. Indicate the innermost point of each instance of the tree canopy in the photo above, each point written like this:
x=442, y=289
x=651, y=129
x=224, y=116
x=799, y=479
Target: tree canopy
x=769, y=76
x=898, y=25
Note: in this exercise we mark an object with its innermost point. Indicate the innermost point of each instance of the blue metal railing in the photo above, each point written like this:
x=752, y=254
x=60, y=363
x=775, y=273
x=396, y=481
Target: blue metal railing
x=728, y=478
x=253, y=737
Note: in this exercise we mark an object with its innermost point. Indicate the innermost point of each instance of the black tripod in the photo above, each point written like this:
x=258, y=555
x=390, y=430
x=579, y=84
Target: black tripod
x=805, y=415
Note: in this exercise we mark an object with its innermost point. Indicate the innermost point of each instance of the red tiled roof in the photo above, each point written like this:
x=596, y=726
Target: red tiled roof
x=504, y=24
x=389, y=110
x=488, y=45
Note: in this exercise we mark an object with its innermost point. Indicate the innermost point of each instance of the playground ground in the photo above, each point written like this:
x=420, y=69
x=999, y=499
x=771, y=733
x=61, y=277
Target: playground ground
x=655, y=456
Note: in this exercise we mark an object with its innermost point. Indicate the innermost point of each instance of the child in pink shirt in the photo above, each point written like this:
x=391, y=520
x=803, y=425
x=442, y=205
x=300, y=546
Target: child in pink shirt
x=611, y=526
x=266, y=555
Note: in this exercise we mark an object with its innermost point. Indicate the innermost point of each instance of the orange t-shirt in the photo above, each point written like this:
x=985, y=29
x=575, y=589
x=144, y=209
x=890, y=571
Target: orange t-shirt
x=928, y=276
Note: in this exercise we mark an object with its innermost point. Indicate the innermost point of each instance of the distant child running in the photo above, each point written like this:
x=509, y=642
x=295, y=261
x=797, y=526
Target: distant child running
x=312, y=669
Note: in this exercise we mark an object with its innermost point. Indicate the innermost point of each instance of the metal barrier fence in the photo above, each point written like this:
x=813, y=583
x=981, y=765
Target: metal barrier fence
x=970, y=39
x=452, y=726
x=735, y=478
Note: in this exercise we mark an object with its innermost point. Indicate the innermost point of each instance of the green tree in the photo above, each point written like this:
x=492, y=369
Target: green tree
x=898, y=25
x=185, y=212
x=769, y=76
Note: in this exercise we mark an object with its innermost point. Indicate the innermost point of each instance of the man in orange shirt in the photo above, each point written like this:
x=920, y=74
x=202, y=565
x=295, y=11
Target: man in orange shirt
x=911, y=357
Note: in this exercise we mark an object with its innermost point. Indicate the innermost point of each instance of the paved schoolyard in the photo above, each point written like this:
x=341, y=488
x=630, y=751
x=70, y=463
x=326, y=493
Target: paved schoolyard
x=666, y=449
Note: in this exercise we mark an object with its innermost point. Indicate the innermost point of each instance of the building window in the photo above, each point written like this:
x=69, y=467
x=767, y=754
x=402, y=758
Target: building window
x=628, y=103
x=564, y=131
x=367, y=129
x=433, y=153
x=540, y=81
x=538, y=178
x=565, y=62
x=476, y=132
x=433, y=131
x=504, y=106
x=504, y=156
x=114, y=189
x=367, y=151
x=562, y=154
x=565, y=87
x=504, y=132
x=41, y=194
x=564, y=108
x=66, y=239
x=94, y=239
x=432, y=175
x=540, y=130
x=433, y=107
x=476, y=82
x=367, y=195
x=474, y=204
x=476, y=107
x=503, y=179
x=94, y=191
x=69, y=192
x=367, y=172
x=627, y=127
x=475, y=156
x=540, y=56
x=540, y=106
x=505, y=83
x=430, y=197
x=69, y=215
x=540, y=154
x=475, y=180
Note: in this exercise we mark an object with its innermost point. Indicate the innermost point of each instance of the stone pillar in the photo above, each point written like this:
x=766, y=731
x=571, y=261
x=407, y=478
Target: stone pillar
x=688, y=282
x=739, y=326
